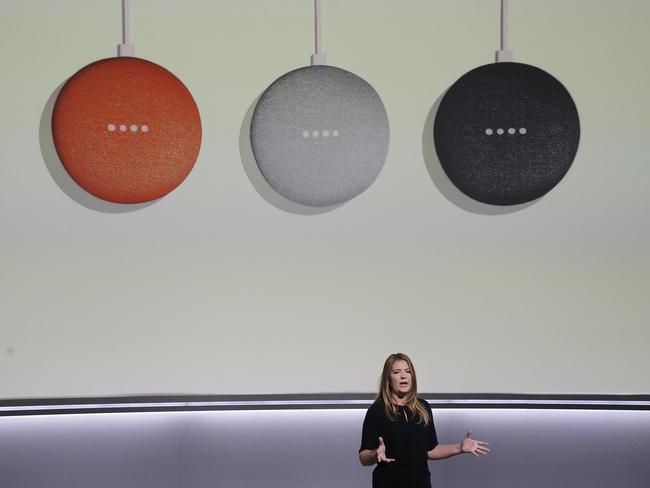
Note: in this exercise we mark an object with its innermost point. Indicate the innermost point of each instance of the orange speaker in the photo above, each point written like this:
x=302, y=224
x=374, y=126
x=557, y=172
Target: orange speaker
x=126, y=130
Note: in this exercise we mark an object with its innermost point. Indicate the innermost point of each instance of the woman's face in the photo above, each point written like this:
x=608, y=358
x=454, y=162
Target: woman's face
x=400, y=378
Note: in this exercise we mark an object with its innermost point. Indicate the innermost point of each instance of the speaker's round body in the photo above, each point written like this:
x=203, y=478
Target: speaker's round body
x=319, y=135
x=506, y=133
x=126, y=130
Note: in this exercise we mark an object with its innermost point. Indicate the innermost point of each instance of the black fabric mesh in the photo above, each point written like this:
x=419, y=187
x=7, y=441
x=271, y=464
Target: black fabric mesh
x=506, y=169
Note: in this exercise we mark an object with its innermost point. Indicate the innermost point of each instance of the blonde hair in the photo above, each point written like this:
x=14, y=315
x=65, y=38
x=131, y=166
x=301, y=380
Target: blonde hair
x=416, y=408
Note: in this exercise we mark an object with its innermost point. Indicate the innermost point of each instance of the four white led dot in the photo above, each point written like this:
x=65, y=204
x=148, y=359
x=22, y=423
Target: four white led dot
x=306, y=133
x=123, y=128
x=324, y=133
x=511, y=131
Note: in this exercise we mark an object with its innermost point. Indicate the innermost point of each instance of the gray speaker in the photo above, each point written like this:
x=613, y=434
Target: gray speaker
x=319, y=135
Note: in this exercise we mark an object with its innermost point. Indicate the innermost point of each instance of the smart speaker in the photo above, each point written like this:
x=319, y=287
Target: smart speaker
x=319, y=134
x=126, y=129
x=506, y=133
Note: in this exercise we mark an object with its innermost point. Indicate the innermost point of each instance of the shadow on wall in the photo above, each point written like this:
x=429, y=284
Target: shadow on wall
x=61, y=176
x=444, y=184
x=256, y=177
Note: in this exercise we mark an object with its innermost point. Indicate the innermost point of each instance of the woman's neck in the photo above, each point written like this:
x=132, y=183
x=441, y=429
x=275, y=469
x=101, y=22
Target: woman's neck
x=398, y=400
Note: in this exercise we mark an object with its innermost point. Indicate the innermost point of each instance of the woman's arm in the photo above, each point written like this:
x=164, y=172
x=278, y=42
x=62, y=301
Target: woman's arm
x=368, y=457
x=443, y=451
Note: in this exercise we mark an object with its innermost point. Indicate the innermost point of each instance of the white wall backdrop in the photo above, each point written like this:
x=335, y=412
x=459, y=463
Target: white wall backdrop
x=214, y=290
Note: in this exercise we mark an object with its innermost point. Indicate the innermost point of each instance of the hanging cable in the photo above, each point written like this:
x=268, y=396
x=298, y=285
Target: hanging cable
x=126, y=48
x=504, y=25
x=504, y=54
x=318, y=57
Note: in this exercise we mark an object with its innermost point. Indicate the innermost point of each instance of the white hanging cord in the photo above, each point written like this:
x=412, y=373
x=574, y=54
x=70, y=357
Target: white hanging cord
x=126, y=48
x=318, y=57
x=504, y=25
x=504, y=54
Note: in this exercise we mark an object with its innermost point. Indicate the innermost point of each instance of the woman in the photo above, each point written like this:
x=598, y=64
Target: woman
x=398, y=432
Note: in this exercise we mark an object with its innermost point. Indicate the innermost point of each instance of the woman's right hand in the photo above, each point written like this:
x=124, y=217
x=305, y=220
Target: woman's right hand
x=381, y=453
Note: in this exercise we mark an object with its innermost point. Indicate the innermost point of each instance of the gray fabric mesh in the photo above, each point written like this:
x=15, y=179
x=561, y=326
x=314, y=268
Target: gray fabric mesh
x=320, y=171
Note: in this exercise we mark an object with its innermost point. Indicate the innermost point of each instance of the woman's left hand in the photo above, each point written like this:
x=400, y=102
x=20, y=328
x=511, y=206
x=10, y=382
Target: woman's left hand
x=473, y=446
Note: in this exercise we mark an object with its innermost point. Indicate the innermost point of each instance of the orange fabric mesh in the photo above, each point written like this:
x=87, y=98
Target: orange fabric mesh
x=126, y=167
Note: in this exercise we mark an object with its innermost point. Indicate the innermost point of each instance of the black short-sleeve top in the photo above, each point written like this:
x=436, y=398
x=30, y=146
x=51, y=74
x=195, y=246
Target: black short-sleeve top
x=406, y=441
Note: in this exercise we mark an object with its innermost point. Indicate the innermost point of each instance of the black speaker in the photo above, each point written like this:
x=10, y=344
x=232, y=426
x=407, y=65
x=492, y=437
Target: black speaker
x=506, y=133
